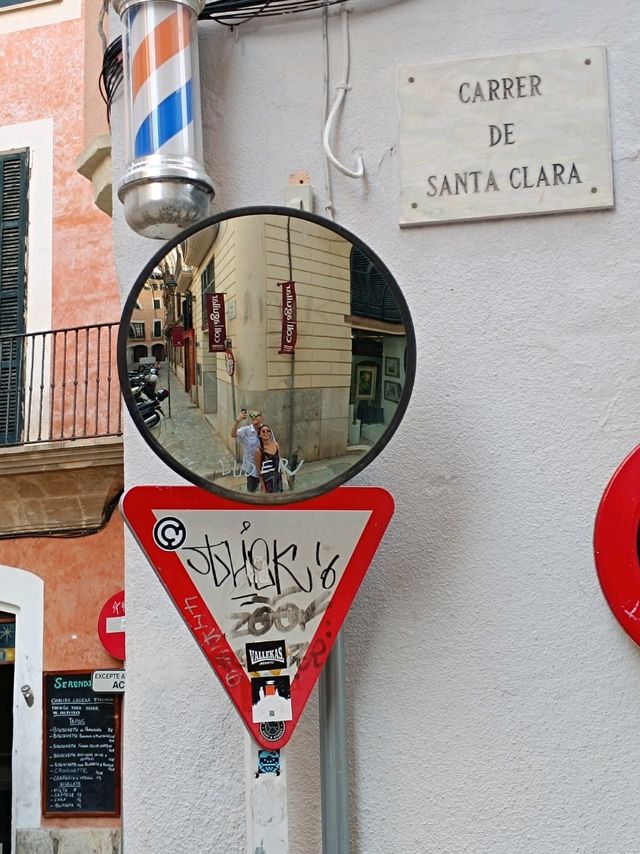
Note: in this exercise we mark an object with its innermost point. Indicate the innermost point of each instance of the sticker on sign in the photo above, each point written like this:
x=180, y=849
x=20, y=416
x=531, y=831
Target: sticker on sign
x=108, y=681
x=264, y=590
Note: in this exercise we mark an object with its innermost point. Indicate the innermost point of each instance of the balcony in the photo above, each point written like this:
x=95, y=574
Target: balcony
x=60, y=430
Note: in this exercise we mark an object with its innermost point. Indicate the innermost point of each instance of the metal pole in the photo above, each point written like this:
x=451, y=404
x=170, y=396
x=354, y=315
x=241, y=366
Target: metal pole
x=233, y=398
x=333, y=753
x=292, y=373
x=169, y=360
x=266, y=799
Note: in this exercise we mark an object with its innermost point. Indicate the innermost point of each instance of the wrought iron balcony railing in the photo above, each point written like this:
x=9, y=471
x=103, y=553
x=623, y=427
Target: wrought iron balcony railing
x=58, y=385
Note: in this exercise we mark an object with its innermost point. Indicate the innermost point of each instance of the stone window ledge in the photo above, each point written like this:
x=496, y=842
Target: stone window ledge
x=95, y=164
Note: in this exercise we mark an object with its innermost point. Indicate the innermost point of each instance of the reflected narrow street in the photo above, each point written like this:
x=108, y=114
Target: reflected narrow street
x=189, y=436
x=284, y=316
x=186, y=434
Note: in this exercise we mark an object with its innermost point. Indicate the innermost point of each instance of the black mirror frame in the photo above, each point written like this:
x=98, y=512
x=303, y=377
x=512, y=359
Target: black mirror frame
x=290, y=497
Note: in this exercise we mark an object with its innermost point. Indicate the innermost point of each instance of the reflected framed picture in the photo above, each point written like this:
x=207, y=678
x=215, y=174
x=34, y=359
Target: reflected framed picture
x=366, y=377
x=392, y=366
x=392, y=391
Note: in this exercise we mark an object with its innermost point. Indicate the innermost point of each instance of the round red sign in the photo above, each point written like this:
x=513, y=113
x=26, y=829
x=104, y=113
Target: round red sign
x=229, y=362
x=111, y=626
x=616, y=542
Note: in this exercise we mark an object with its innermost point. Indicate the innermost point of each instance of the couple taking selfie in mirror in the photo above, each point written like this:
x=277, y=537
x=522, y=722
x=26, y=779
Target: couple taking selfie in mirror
x=260, y=453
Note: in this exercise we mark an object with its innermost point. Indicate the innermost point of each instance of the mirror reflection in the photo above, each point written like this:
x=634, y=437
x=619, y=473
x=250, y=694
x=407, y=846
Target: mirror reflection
x=266, y=354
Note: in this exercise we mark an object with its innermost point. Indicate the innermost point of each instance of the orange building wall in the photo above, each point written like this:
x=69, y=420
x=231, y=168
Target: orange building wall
x=79, y=574
x=95, y=113
x=50, y=83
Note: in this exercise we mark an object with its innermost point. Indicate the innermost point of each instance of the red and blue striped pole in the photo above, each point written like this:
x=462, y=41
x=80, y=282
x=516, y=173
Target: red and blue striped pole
x=165, y=187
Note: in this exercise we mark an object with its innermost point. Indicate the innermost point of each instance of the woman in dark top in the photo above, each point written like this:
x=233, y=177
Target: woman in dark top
x=268, y=461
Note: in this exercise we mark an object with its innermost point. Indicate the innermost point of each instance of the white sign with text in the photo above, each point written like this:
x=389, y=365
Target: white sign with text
x=107, y=682
x=505, y=136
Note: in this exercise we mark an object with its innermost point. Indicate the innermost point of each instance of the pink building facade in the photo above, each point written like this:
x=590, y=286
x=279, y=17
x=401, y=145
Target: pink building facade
x=61, y=539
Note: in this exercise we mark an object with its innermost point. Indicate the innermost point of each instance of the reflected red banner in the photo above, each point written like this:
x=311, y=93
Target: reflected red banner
x=177, y=336
x=289, y=318
x=216, y=322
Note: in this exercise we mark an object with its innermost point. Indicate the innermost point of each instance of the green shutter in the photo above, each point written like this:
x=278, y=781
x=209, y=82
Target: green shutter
x=13, y=241
x=371, y=296
x=208, y=280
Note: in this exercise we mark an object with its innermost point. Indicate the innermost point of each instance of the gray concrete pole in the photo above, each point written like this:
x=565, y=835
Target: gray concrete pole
x=333, y=753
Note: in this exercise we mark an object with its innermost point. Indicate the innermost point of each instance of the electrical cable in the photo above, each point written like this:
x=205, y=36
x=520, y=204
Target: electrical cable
x=342, y=88
x=326, y=172
x=111, y=74
x=229, y=13
x=233, y=22
x=104, y=12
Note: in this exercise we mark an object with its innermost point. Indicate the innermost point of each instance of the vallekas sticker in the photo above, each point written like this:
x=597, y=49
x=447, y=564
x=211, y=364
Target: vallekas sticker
x=270, y=655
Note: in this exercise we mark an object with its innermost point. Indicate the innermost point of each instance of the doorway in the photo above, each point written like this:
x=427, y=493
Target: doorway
x=189, y=361
x=7, y=672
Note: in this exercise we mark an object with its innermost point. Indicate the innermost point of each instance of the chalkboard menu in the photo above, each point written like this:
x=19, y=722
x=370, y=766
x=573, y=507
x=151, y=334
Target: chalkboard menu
x=81, y=747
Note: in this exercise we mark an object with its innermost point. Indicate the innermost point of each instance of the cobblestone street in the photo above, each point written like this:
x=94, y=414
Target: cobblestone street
x=191, y=438
x=187, y=435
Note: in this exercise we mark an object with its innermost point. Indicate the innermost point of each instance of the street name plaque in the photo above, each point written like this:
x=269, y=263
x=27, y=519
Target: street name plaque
x=505, y=136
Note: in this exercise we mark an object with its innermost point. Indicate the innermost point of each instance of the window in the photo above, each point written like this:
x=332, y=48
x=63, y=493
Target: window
x=207, y=286
x=370, y=295
x=157, y=329
x=13, y=247
x=157, y=303
x=136, y=330
x=187, y=312
x=7, y=3
x=208, y=280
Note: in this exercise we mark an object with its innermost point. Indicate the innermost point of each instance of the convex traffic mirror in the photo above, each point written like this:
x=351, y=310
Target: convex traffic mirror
x=266, y=355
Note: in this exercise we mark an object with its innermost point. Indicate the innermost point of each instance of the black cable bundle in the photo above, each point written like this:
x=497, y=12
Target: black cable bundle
x=234, y=12
x=230, y=13
x=111, y=74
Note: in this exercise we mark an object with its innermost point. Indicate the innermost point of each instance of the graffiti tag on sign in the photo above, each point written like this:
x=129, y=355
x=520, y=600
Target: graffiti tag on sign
x=263, y=590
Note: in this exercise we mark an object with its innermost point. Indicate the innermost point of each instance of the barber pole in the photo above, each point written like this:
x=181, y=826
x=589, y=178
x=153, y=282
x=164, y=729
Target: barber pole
x=165, y=187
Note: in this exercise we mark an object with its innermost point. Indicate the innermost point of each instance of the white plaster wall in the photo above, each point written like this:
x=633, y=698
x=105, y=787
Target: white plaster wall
x=493, y=698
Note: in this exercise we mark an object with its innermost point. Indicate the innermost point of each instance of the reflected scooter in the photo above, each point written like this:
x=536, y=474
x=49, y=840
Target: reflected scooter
x=148, y=399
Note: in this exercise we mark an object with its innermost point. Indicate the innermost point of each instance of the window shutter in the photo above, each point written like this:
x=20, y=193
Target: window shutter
x=13, y=241
x=370, y=294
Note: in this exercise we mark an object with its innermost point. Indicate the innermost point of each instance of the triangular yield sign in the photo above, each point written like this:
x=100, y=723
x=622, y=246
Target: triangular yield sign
x=264, y=590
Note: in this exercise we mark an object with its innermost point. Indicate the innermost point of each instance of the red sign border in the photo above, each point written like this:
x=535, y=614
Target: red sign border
x=113, y=644
x=615, y=544
x=137, y=508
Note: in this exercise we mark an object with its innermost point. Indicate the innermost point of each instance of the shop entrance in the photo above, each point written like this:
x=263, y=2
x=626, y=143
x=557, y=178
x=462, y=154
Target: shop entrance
x=7, y=667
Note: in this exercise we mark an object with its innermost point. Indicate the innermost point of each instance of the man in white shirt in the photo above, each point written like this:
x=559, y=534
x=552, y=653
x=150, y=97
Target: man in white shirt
x=248, y=438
